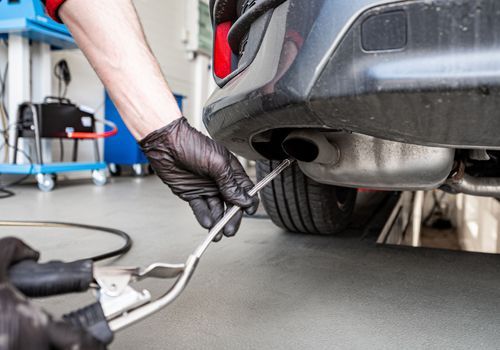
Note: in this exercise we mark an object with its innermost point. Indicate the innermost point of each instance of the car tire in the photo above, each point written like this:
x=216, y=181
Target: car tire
x=297, y=203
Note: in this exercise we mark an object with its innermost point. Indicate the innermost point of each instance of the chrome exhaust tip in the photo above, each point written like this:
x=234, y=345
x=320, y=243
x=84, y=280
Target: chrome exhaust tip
x=310, y=147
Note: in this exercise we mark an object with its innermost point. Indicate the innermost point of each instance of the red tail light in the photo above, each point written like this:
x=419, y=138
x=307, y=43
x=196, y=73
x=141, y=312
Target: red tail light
x=222, y=51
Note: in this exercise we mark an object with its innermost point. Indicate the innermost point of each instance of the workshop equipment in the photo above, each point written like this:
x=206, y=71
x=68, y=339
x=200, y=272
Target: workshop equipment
x=56, y=118
x=30, y=36
x=123, y=150
x=28, y=18
x=119, y=305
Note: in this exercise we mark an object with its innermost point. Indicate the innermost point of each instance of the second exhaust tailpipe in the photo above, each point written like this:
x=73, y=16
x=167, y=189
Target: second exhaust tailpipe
x=310, y=146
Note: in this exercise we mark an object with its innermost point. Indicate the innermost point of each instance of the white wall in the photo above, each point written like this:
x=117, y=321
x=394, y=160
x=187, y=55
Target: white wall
x=165, y=25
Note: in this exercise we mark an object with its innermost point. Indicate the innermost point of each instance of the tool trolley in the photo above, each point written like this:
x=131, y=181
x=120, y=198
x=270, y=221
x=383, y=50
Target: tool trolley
x=56, y=118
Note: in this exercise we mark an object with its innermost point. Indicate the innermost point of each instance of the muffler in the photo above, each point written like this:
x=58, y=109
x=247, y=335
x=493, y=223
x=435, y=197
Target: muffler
x=310, y=146
x=356, y=160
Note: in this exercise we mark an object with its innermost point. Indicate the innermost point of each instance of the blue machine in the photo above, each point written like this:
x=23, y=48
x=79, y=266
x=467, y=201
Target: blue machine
x=28, y=18
x=122, y=149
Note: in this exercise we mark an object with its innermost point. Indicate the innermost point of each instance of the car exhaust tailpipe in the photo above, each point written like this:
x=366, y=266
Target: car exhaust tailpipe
x=310, y=146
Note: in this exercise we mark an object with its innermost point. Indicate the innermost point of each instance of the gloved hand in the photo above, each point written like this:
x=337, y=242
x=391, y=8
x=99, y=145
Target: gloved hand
x=201, y=172
x=24, y=326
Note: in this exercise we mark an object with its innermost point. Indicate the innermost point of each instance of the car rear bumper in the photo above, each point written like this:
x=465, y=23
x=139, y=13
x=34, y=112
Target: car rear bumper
x=418, y=71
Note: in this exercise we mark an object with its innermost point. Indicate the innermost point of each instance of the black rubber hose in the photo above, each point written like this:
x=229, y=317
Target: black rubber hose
x=242, y=25
x=127, y=245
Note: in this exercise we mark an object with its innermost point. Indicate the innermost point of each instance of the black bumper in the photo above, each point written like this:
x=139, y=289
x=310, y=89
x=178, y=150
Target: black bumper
x=423, y=72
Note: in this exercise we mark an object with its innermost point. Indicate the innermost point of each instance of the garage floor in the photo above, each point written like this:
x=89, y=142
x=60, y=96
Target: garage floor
x=266, y=289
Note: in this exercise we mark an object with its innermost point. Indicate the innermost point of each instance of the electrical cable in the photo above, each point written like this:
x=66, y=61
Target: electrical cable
x=4, y=188
x=95, y=135
x=5, y=193
x=63, y=75
x=61, y=149
x=3, y=82
x=125, y=248
x=4, y=116
x=242, y=25
x=4, y=134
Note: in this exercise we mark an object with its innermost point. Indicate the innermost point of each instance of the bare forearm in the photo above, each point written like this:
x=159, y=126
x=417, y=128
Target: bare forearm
x=111, y=36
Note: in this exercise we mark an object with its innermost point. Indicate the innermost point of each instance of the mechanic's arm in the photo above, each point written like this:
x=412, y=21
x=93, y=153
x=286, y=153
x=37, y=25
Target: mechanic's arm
x=110, y=35
x=197, y=169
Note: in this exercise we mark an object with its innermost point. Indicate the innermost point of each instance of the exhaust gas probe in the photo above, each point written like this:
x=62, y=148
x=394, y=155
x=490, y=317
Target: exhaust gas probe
x=119, y=304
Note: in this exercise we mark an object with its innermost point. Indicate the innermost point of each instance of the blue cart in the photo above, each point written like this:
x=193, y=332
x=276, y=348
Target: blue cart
x=46, y=174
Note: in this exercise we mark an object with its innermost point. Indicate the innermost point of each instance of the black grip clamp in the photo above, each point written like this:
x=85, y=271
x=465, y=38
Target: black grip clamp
x=52, y=278
x=92, y=319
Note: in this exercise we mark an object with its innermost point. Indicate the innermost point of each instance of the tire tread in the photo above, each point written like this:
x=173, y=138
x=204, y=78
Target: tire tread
x=297, y=203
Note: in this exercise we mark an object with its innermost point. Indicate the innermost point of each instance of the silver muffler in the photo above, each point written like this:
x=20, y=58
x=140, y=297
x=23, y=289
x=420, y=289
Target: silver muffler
x=356, y=160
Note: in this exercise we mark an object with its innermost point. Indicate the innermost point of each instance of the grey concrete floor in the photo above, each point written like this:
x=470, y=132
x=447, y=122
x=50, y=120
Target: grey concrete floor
x=267, y=289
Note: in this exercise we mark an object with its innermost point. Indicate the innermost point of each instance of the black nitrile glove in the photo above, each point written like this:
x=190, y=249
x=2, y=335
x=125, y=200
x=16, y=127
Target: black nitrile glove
x=24, y=326
x=201, y=172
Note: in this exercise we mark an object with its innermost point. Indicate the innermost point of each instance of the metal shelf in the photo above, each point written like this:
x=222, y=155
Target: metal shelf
x=50, y=168
x=28, y=18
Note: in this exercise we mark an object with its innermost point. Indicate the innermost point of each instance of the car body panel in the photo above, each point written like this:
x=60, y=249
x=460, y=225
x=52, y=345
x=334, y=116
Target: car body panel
x=439, y=88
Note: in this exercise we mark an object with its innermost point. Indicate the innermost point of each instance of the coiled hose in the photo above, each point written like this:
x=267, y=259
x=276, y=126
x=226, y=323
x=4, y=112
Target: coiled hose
x=127, y=245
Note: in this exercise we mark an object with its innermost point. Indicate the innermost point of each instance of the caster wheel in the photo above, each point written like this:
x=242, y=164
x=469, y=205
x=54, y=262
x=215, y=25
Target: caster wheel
x=46, y=182
x=138, y=169
x=99, y=177
x=115, y=169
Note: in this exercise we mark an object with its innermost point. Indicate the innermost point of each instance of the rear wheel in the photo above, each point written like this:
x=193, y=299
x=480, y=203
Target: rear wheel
x=296, y=203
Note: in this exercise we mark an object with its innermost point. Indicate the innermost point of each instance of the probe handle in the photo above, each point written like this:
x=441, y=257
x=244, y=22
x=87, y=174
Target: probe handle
x=52, y=278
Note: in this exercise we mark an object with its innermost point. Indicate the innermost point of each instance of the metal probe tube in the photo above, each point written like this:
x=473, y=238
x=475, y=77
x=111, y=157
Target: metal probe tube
x=142, y=312
x=232, y=212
